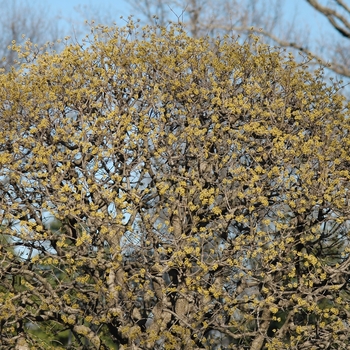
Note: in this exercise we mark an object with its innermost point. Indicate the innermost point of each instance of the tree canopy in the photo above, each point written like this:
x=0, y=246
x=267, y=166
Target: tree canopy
x=165, y=192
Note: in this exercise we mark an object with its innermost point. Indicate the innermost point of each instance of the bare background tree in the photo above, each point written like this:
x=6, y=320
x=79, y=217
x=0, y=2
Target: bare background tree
x=210, y=17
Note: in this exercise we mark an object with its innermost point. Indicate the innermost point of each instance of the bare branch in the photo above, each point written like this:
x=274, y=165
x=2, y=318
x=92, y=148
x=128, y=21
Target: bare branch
x=334, y=17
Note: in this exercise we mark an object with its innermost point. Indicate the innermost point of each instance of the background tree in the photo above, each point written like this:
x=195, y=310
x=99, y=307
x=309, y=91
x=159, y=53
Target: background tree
x=209, y=17
x=199, y=194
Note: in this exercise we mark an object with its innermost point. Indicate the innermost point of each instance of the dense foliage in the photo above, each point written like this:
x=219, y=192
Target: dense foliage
x=165, y=192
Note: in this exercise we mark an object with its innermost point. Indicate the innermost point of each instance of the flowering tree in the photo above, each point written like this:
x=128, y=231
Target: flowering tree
x=164, y=193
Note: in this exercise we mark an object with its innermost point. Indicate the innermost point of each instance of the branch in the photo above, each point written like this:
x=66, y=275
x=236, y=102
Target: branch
x=21, y=344
x=89, y=334
x=343, y=5
x=333, y=16
x=259, y=339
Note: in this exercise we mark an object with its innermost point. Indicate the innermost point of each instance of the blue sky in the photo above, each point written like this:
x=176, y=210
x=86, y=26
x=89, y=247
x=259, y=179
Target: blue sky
x=72, y=13
x=68, y=7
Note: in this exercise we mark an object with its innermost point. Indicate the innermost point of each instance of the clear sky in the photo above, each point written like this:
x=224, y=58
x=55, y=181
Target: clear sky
x=72, y=13
x=69, y=7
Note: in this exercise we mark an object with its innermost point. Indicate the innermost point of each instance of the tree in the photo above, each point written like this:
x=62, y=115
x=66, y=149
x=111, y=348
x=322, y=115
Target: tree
x=199, y=197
